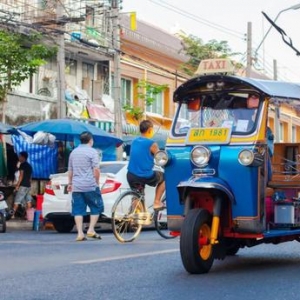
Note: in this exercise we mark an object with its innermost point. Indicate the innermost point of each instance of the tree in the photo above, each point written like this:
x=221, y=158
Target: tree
x=147, y=93
x=197, y=50
x=20, y=57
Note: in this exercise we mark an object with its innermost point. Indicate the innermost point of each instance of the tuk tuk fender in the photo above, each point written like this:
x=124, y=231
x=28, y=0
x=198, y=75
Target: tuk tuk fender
x=208, y=183
x=218, y=187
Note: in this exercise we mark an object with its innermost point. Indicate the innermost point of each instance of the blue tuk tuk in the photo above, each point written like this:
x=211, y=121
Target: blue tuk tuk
x=228, y=185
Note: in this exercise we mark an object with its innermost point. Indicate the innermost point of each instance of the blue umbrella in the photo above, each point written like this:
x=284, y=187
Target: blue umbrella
x=68, y=129
x=7, y=129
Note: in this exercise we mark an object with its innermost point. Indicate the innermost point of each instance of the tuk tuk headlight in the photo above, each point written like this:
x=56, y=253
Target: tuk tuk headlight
x=161, y=158
x=251, y=158
x=200, y=156
x=246, y=157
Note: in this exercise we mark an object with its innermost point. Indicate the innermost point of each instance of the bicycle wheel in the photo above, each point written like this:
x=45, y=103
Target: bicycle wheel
x=2, y=223
x=161, y=224
x=125, y=216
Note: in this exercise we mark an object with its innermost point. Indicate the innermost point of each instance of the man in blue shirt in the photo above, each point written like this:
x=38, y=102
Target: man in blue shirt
x=141, y=163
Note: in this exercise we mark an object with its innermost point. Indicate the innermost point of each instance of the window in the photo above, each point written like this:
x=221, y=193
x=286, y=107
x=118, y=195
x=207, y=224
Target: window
x=157, y=105
x=88, y=70
x=71, y=67
x=281, y=135
x=294, y=136
x=126, y=94
x=90, y=16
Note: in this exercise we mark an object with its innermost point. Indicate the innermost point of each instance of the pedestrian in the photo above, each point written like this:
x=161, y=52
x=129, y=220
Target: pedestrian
x=84, y=176
x=23, y=185
x=141, y=163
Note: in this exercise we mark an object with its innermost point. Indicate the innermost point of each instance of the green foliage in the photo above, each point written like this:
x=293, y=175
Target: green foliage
x=197, y=50
x=136, y=112
x=147, y=93
x=20, y=58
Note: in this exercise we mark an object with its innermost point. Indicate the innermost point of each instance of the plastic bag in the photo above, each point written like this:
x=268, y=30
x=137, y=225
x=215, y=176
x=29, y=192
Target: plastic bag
x=43, y=138
x=25, y=136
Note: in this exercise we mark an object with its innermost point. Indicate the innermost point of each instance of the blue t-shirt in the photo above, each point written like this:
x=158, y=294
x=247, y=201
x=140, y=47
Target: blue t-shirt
x=141, y=159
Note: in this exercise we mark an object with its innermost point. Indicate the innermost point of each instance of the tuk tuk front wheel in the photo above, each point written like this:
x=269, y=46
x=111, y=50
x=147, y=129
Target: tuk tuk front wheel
x=195, y=249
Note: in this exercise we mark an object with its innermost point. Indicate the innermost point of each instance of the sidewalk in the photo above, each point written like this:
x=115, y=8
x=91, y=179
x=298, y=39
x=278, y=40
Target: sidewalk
x=18, y=224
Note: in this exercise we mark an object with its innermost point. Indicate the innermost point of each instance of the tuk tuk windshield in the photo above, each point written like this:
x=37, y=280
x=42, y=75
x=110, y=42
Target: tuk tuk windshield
x=238, y=111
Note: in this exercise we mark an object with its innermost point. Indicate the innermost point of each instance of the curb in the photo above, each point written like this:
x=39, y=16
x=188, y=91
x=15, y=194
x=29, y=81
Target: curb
x=27, y=225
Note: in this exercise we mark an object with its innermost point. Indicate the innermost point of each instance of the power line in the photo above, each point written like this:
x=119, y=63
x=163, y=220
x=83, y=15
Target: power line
x=193, y=17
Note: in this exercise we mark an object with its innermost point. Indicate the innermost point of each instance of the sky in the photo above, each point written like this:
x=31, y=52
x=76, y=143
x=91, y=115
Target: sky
x=228, y=21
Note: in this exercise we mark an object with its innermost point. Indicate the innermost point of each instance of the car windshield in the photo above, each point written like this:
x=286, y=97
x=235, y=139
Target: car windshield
x=238, y=111
x=111, y=168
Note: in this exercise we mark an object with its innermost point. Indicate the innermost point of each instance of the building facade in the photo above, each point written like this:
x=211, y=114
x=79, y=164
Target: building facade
x=84, y=29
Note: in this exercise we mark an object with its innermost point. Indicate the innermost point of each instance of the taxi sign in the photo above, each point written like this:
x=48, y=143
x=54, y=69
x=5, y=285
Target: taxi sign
x=211, y=135
x=215, y=66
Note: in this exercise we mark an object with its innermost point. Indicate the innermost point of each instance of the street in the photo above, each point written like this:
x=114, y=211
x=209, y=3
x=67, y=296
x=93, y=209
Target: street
x=47, y=265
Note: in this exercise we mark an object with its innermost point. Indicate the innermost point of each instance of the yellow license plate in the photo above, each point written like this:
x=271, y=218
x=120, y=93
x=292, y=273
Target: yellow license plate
x=210, y=135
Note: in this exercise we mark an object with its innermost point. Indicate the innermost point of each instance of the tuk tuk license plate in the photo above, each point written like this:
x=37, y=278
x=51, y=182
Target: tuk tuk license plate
x=210, y=135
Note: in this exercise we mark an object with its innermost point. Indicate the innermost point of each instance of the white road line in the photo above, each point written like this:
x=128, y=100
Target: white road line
x=90, y=261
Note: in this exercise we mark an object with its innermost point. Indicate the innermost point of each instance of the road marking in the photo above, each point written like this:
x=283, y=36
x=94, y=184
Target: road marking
x=90, y=261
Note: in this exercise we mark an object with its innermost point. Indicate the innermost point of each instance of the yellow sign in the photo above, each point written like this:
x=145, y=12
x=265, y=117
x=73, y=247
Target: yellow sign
x=212, y=135
x=133, y=25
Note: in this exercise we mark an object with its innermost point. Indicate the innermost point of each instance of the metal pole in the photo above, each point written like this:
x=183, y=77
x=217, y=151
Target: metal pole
x=275, y=71
x=61, y=109
x=117, y=76
x=249, y=49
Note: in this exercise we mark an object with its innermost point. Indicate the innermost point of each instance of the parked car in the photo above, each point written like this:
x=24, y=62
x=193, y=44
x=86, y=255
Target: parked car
x=57, y=201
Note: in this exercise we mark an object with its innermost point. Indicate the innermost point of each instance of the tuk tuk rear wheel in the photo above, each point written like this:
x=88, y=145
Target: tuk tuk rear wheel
x=195, y=249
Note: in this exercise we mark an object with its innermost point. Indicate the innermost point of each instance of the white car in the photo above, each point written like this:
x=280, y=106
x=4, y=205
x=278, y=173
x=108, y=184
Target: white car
x=57, y=201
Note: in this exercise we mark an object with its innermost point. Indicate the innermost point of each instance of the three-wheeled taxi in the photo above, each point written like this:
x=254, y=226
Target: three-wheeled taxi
x=228, y=185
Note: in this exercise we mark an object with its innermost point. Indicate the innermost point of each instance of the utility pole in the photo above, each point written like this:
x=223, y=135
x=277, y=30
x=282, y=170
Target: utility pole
x=277, y=111
x=117, y=75
x=249, y=49
x=61, y=103
x=275, y=72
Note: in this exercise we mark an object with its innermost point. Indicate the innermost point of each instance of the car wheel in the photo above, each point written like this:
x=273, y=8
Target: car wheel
x=63, y=226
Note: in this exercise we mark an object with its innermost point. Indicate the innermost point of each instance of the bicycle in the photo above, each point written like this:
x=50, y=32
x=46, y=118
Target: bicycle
x=130, y=214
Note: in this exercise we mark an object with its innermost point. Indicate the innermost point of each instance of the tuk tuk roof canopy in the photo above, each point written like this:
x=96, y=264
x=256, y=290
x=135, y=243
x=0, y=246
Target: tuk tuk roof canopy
x=281, y=91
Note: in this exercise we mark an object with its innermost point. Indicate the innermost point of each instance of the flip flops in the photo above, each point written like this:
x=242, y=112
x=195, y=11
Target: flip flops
x=94, y=236
x=81, y=239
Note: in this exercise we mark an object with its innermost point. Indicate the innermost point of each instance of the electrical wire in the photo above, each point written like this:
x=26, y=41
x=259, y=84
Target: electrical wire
x=193, y=17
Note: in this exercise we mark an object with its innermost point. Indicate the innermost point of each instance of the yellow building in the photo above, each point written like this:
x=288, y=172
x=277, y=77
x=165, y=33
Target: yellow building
x=155, y=56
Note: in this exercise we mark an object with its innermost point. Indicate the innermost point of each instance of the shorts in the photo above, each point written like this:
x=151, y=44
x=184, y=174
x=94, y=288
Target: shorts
x=156, y=179
x=82, y=200
x=23, y=195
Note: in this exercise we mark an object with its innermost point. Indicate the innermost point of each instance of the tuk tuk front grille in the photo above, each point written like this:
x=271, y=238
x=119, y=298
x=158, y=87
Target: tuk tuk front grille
x=204, y=172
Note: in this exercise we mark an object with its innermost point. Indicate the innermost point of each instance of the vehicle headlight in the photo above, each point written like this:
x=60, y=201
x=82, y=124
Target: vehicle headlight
x=161, y=158
x=200, y=156
x=246, y=157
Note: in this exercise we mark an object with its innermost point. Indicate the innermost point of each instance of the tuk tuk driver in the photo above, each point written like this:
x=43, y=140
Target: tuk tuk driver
x=244, y=114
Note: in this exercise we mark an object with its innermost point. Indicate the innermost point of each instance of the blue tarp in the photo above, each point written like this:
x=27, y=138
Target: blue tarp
x=43, y=159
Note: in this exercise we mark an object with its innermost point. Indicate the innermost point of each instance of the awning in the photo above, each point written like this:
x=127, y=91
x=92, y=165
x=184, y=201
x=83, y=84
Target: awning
x=109, y=126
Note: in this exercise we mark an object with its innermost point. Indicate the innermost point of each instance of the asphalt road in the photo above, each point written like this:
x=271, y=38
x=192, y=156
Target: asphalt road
x=46, y=265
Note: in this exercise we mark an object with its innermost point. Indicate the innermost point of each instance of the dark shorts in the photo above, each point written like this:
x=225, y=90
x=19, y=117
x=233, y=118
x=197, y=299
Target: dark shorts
x=133, y=180
x=82, y=200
